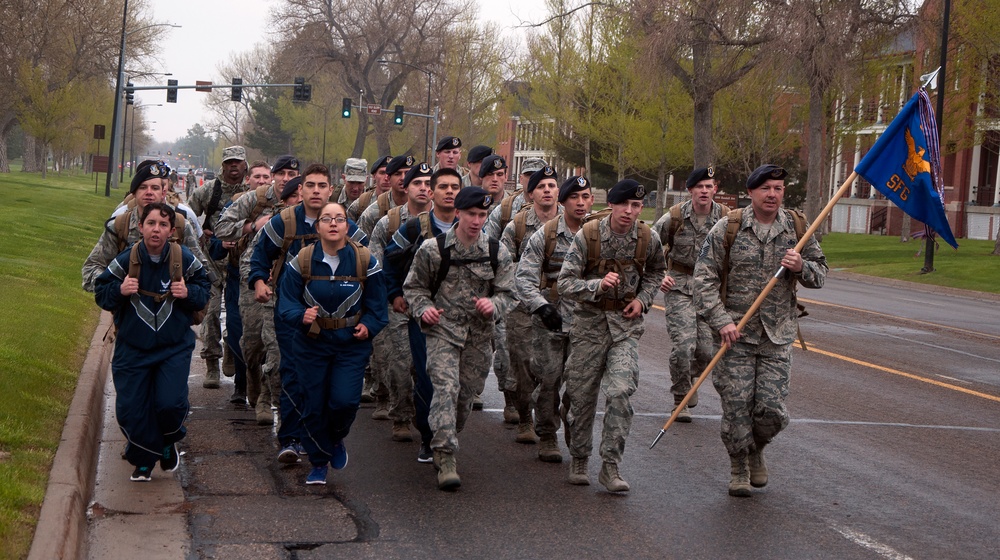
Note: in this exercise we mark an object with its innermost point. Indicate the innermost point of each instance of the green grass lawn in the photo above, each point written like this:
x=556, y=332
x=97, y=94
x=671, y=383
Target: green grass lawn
x=46, y=323
x=971, y=267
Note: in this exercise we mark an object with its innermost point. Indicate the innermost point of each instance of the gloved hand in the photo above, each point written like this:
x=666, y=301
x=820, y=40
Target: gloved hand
x=550, y=317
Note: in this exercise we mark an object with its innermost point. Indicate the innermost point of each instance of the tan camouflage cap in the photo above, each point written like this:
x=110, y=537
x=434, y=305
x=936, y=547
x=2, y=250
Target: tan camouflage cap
x=356, y=170
x=234, y=152
x=531, y=165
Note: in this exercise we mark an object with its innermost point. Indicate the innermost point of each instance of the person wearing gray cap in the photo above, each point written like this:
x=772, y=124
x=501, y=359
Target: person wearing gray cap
x=209, y=200
x=355, y=177
x=381, y=183
x=739, y=257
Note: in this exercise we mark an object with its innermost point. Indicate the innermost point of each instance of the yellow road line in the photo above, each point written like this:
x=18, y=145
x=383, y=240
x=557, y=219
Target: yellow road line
x=812, y=348
x=938, y=325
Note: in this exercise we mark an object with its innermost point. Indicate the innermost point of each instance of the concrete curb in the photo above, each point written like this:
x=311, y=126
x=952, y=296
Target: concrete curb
x=62, y=525
x=915, y=286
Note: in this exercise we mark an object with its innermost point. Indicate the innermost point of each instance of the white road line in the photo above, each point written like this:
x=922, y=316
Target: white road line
x=865, y=541
x=666, y=415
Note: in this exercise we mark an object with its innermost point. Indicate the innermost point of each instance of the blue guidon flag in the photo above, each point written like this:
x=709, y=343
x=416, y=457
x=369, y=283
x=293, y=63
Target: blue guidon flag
x=905, y=165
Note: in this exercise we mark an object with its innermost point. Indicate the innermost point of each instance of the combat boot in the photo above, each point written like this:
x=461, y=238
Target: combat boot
x=578, y=471
x=548, y=449
x=684, y=415
x=510, y=415
x=381, y=408
x=211, y=374
x=401, y=431
x=739, y=484
x=758, y=468
x=262, y=411
x=228, y=363
x=447, y=471
x=526, y=432
x=610, y=478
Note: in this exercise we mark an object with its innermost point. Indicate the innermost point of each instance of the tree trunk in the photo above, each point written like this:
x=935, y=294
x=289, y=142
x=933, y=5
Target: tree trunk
x=6, y=125
x=814, y=171
x=43, y=158
x=703, y=143
x=586, y=156
x=661, y=187
x=359, y=138
x=30, y=158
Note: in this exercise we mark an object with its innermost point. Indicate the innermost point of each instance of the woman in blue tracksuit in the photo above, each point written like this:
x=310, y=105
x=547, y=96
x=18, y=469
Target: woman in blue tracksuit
x=334, y=308
x=153, y=311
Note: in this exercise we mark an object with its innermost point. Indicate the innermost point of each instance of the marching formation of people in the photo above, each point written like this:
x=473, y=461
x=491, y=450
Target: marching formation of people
x=413, y=281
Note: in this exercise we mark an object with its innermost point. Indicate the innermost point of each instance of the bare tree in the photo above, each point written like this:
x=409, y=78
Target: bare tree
x=230, y=120
x=347, y=38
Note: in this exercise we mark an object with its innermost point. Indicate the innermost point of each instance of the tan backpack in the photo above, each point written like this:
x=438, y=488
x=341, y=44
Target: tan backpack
x=176, y=264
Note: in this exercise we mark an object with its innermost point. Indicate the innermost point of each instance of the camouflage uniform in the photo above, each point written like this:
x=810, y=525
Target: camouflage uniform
x=107, y=247
x=548, y=349
x=506, y=382
x=393, y=343
x=752, y=378
x=493, y=226
x=690, y=337
x=520, y=334
x=604, y=346
x=458, y=348
x=211, y=327
x=371, y=215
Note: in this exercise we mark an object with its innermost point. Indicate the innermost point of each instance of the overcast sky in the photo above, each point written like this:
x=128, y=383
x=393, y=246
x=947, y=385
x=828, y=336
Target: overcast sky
x=193, y=51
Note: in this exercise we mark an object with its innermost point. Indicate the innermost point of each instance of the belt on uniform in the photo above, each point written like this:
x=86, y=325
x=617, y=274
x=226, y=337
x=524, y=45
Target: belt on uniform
x=608, y=304
x=682, y=268
x=328, y=323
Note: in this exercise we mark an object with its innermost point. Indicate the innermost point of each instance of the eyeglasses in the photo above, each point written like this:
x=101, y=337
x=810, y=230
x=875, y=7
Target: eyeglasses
x=326, y=220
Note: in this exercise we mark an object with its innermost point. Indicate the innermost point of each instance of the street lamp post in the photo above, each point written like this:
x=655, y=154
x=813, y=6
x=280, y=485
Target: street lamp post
x=427, y=124
x=116, y=118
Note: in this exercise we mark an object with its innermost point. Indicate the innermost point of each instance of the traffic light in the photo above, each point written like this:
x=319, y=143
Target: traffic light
x=307, y=92
x=297, y=91
x=237, y=90
x=129, y=94
x=346, y=111
x=171, y=91
x=397, y=116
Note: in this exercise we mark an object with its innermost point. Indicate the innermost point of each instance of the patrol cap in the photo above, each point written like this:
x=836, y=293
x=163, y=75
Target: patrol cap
x=285, y=162
x=399, y=162
x=234, y=152
x=547, y=172
x=763, y=173
x=473, y=197
x=145, y=171
x=531, y=165
x=572, y=185
x=356, y=170
x=448, y=142
x=380, y=163
x=624, y=190
x=490, y=164
x=699, y=175
x=422, y=170
x=290, y=187
x=479, y=153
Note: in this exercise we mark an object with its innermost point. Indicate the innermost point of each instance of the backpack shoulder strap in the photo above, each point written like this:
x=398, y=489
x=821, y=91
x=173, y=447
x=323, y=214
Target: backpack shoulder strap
x=180, y=225
x=507, y=209
x=551, y=230
x=676, y=223
x=121, y=229
x=641, y=246
x=383, y=203
x=288, y=219
x=365, y=199
x=799, y=219
x=735, y=218
x=494, y=255
x=444, y=266
x=425, y=225
x=395, y=217
x=305, y=262
x=592, y=234
x=520, y=228
x=176, y=262
x=134, y=264
x=363, y=256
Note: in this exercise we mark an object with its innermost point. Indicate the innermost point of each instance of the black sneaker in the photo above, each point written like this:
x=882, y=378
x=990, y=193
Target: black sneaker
x=425, y=455
x=239, y=397
x=142, y=474
x=170, y=459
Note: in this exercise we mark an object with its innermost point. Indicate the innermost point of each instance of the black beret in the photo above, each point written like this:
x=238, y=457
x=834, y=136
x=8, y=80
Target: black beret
x=491, y=164
x=699, y=175
x=479, y=153
x=422, y=170
x=547, y=172
x=399, y=162
x=572, y=185
x=380, y=162
x=448, y=142
x=763, y=173
x=290, y=187
x=145, y=171
x=473, y=197
x=285, y=162
x=626, y=189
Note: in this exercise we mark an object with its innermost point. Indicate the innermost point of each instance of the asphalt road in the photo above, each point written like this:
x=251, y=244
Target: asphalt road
x=891, y=453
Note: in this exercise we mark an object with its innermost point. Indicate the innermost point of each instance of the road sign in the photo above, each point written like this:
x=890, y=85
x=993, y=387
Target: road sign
x=100, y=164
x=201, y=83
x=373, y=109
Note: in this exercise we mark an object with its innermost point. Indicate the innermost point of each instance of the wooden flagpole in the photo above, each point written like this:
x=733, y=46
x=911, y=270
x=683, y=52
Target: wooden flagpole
x=757, y=303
